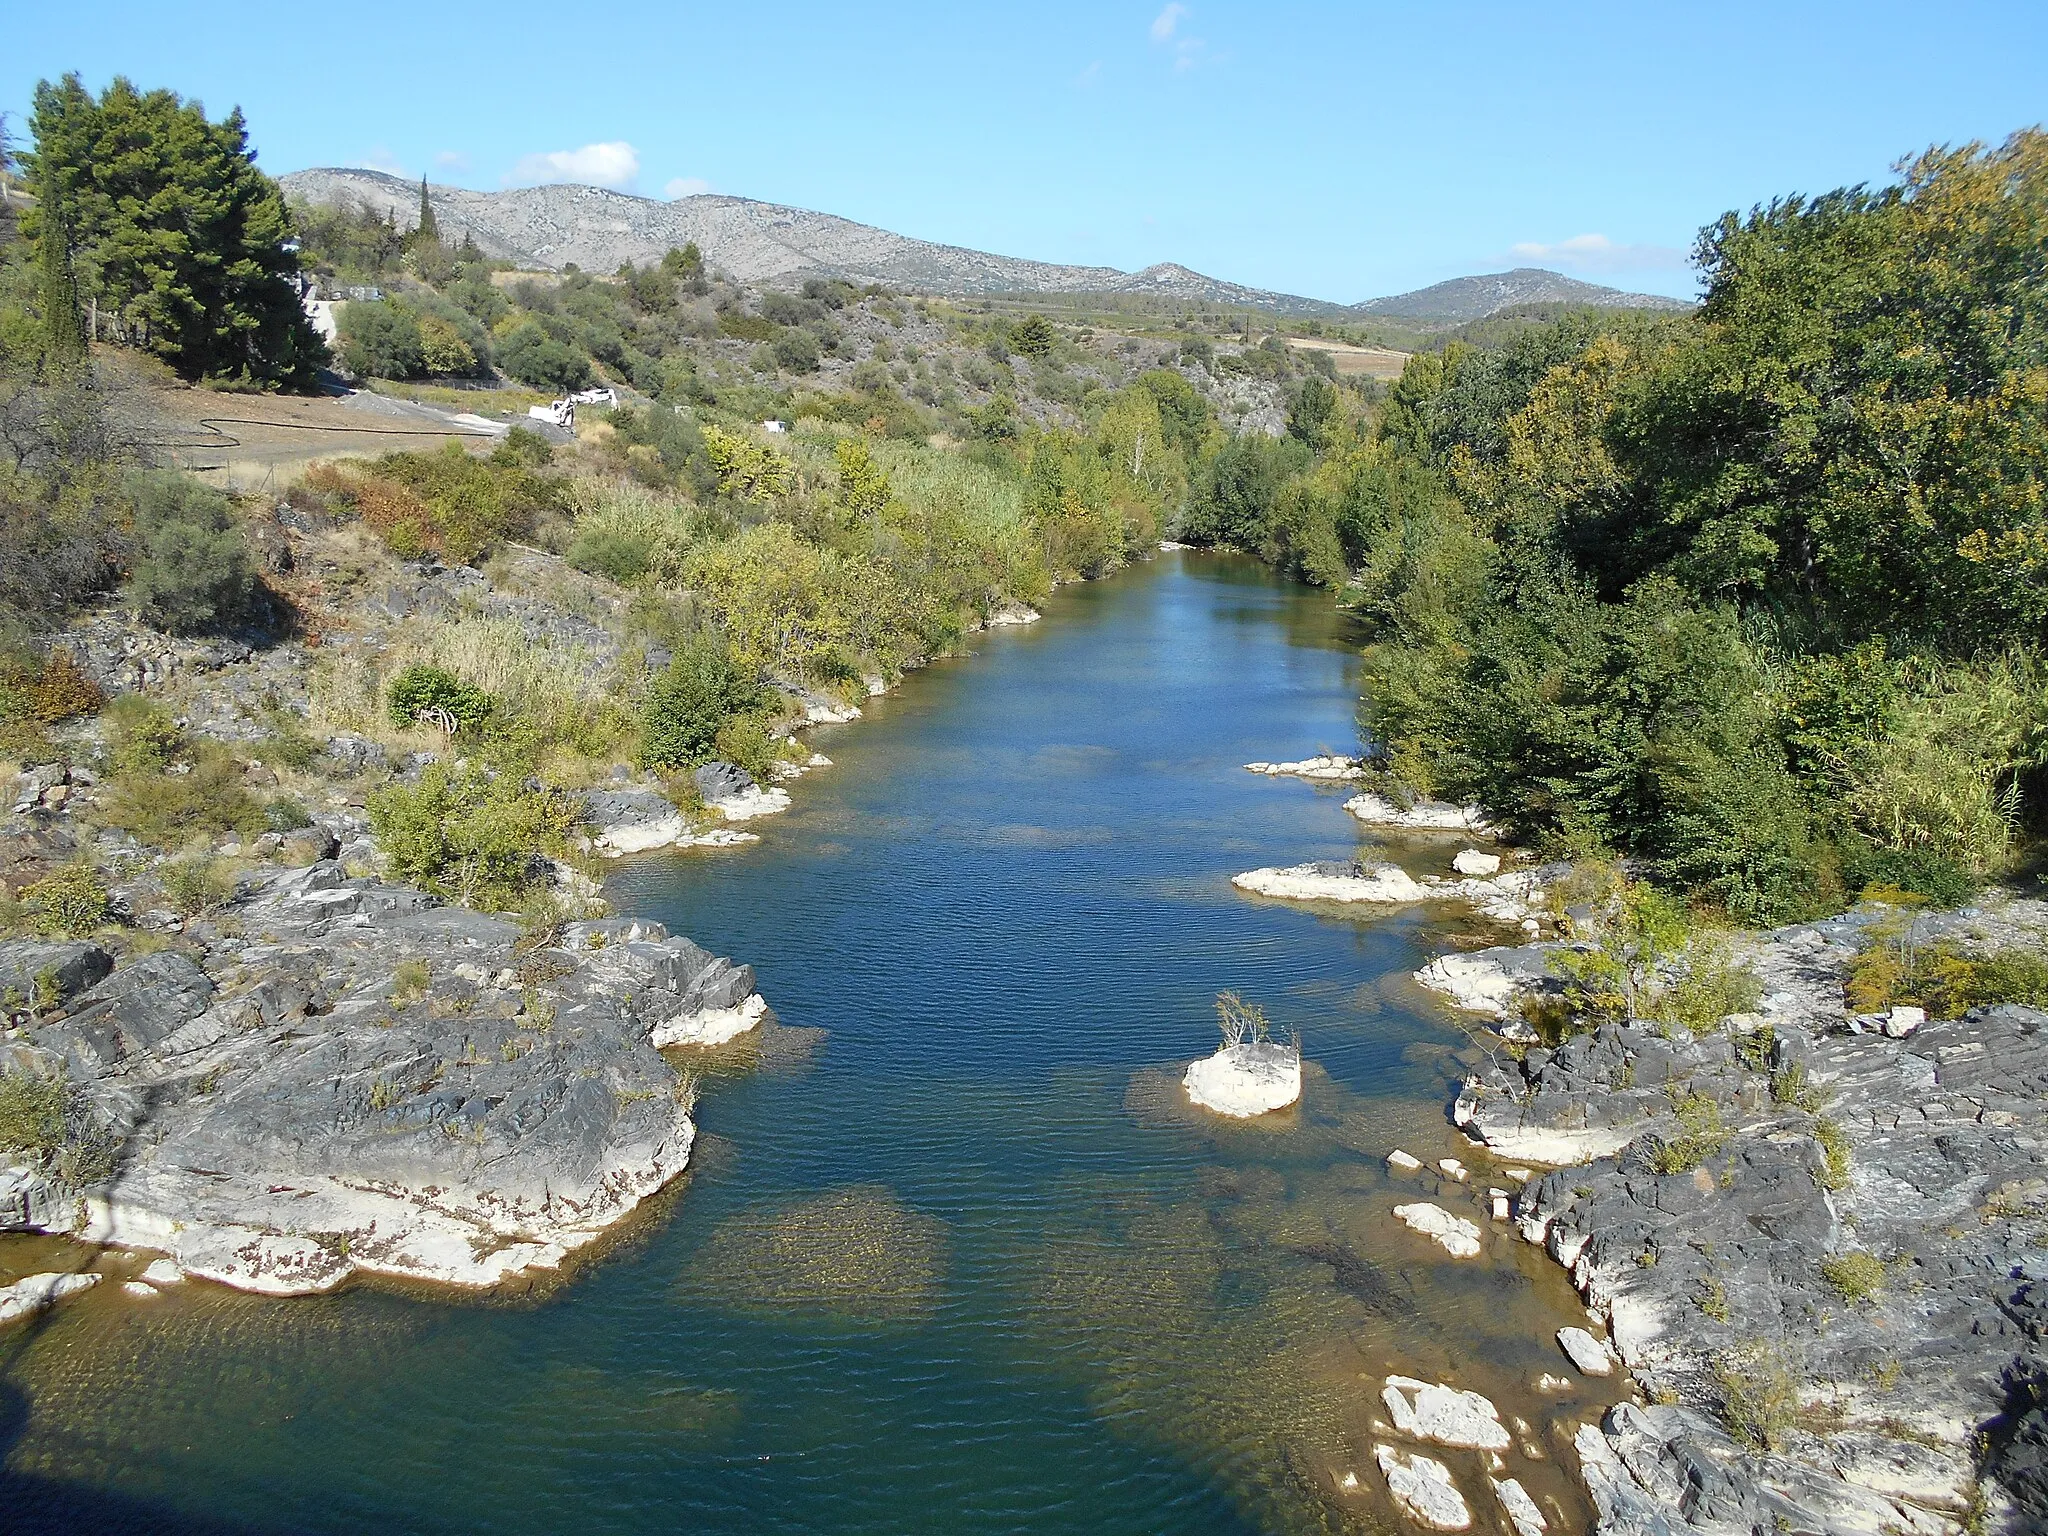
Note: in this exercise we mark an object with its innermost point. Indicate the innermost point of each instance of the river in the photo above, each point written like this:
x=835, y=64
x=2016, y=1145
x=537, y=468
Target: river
x=954, y=1254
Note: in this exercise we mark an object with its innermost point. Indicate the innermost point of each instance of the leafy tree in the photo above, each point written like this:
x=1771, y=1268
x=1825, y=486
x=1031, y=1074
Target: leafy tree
x=178, y=238
x=797, y=351
x=380, y=339
x=533, y=357
x=1313, y=415
x=690, y=702
x=863, y=487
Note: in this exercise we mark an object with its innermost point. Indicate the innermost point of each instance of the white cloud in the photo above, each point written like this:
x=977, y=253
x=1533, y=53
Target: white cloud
x=1597, y=253
x=381, y=159
x=452, y=160
x=685, y=186
x=615, y=165
x=1166, y=34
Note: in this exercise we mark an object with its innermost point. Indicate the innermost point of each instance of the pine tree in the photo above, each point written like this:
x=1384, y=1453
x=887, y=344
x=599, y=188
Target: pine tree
x=429, y=232
x=182, y=241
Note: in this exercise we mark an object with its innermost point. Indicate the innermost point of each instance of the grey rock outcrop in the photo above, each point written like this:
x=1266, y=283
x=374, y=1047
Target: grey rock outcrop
x=370, y=1081
x=1801, y=1229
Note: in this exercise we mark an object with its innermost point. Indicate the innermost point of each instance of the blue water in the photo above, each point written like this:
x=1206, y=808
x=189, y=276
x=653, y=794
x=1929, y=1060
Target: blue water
x=955, y=1255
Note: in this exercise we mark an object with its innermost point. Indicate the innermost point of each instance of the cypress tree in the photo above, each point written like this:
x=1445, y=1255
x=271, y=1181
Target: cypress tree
x=429, y=231
x=63, y=326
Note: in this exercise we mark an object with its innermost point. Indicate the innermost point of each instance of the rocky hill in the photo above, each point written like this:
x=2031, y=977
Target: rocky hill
x=1461, y=299
x=754, y=242
x=758, y=242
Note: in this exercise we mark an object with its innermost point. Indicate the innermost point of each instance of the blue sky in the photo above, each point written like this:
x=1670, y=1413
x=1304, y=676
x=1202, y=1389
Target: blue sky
x=1341, y=151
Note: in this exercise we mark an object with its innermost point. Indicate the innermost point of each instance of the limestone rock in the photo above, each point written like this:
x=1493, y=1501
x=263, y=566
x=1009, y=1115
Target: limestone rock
x=1424, y=815
x=1402, y=1162
x=1589, y=1354
x=1432, y=1411
x=1329, y=881
x=27, y=1297
x=1245, y=1080
x=1522, y=1511
x=43, y=973
x=1458, y=1237
x=1323, y=767
x=1422, y=1488
x=1471, y=861
x=290, y=1119
x=162, y=1272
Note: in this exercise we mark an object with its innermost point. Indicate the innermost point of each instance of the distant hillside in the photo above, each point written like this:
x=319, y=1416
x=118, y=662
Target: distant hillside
x=1463, y=299
x=759, y=242
x=755, y=242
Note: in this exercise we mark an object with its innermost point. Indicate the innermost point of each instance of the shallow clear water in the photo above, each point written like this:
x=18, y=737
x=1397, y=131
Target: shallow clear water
x=955, y=1253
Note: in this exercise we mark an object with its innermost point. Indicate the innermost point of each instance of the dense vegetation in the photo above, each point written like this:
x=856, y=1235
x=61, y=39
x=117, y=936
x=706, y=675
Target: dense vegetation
x=1752, y=595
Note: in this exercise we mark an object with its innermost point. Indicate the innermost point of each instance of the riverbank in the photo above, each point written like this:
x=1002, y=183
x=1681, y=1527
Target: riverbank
x=1815, y=1236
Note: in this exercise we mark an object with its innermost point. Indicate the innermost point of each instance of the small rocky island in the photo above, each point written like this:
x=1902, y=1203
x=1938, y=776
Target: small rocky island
x=1253, y=1073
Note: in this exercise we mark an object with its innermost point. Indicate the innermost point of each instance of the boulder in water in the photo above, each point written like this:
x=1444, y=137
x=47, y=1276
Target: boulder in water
x=1423, y=1490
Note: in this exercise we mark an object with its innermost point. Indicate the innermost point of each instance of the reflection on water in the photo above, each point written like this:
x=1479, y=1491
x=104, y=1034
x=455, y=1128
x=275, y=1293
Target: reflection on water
x=955, y=1252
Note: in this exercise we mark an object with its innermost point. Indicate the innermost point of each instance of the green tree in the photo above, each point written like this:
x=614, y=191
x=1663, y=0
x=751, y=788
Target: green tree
x=863, y=487
x=191, y=569
x=1314, y=414
x=180, y=242
x=63, y=326
x=1033, y=336
x=380, y=339
x=429, y=230
x=692, y=699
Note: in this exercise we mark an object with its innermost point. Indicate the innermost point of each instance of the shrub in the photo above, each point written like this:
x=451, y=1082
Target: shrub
x=420, y=688
x=196, y=884
x=191, y=568
x=1759, y=1395
x=615, y=556
x=523, y=449
x=144, y=738
x=72, y=902
x=690, y=703
x=32, y=1112
x=379, y=340
x=165, y=809
x=1700, y=1134
x=467, y=834
x=286, y=815
x=47, y=691
x=1943, y=979
x=743, y=741
x=796, y=351
x=1857, y=1275
x=1834, y=1146
x=533, y=357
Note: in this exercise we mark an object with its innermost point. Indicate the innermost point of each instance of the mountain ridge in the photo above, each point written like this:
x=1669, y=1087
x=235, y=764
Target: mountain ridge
x=597, y=229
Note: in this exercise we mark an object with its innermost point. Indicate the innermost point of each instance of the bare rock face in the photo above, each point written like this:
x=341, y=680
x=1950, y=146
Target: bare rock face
x=341, y=1076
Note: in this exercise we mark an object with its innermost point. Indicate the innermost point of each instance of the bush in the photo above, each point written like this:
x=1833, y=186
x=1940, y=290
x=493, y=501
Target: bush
x=796, y=351
x=420, y=688
x=533, y=357
x=32, y=1112
x=1759, y=1396
x=1834, y=1147
x=380, y=340
x=690, y=703
x=614, y=556
x=166, y=809
x=745, y=742
x=196, y=884
x=286, y=815
x=47, y=691
x=191, y=568
x=143, y=735
x=466, y=834
x=1700, y=1135
x=71, y=903
x=1857, y=1275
